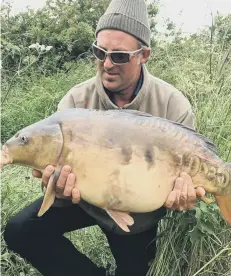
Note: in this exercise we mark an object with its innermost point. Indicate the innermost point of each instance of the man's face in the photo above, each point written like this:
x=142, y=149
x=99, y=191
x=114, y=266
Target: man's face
x=117, y=78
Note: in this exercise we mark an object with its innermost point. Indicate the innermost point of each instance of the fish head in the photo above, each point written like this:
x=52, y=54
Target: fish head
x=35, y=146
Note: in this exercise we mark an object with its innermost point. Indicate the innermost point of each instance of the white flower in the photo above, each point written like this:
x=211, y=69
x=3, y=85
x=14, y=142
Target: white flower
x=34, y=46
x=48, y=48
x=42, y=48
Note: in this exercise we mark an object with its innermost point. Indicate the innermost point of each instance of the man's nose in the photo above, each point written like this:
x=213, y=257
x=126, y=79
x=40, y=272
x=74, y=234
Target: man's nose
x=107, y=63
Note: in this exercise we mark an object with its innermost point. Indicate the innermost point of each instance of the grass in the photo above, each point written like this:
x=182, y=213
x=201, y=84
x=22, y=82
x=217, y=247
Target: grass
x=19, y=190
x=191, y=243
x=28, y=102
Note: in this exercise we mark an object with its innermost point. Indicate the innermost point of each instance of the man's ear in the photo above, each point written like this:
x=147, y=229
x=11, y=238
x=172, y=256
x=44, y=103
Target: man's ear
x=145, y=55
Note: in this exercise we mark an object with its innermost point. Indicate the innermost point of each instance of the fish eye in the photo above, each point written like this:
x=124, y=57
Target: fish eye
x=24, y=139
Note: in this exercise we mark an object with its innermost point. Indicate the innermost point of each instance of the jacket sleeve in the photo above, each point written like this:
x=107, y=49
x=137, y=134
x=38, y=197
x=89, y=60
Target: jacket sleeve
x=187, y=118
x=66, y=102
x=180, y=110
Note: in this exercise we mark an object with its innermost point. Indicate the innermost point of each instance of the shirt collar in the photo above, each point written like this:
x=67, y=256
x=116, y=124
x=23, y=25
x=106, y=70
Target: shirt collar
x=139, y=84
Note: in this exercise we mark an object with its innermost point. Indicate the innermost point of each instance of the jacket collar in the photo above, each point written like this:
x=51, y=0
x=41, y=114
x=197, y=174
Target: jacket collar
x=138, y=94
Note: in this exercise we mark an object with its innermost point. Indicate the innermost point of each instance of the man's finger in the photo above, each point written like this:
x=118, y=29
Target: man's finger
x=36, y=173
x=183, y=194
x=191, y=197
x=47, y=174
x=200, y=191
x=75, y=195
x=70, y=184
x=191, y=194
x=182, y=205
x=179, y=183
x=63, y=178
x=170, y=200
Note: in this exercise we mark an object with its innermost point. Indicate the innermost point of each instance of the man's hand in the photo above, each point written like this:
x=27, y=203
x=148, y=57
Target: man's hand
x=184, y=195
x=66, y=184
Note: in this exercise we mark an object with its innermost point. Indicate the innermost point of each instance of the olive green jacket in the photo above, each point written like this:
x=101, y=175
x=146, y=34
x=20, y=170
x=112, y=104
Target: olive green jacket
x=155, y=97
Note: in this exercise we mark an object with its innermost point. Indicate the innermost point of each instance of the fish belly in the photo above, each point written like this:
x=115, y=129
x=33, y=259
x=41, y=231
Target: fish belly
x=109, y=179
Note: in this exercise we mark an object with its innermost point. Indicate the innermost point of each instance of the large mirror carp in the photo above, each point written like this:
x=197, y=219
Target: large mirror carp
x=125, y=160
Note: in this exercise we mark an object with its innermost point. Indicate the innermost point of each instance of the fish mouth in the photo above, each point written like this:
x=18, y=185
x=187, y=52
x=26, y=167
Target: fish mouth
x=6, y=158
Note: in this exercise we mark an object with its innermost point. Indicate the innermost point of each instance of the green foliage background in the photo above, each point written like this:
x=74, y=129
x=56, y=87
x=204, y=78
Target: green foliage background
x=34, y=79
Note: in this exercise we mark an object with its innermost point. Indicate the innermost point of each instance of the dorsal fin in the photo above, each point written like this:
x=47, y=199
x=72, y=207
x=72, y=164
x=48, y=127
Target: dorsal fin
x=209, y=144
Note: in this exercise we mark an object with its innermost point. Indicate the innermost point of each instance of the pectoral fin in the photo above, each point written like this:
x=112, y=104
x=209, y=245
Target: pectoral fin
x=224, y=203
x=49, y=197
x=123, y=219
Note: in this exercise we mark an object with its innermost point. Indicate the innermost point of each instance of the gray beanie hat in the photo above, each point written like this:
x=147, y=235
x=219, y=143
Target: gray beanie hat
x=129, y=16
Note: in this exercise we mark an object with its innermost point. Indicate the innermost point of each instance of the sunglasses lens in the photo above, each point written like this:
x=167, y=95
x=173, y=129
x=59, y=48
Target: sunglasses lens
x=120, y=58
x=98, y=53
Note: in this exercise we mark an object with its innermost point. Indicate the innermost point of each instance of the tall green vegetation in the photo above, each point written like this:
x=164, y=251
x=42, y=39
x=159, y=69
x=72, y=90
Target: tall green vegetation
x=34, y=79
x=66, y=25
x=197, y=242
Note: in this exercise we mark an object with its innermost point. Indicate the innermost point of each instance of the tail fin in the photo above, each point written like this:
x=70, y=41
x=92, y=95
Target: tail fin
x=224, y=203
x=228, y=167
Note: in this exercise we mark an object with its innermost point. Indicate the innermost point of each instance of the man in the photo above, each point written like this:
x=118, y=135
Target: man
x=122, y=81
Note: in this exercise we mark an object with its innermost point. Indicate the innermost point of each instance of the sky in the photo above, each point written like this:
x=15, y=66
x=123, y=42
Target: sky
x=189, y=15
x=192, y=15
